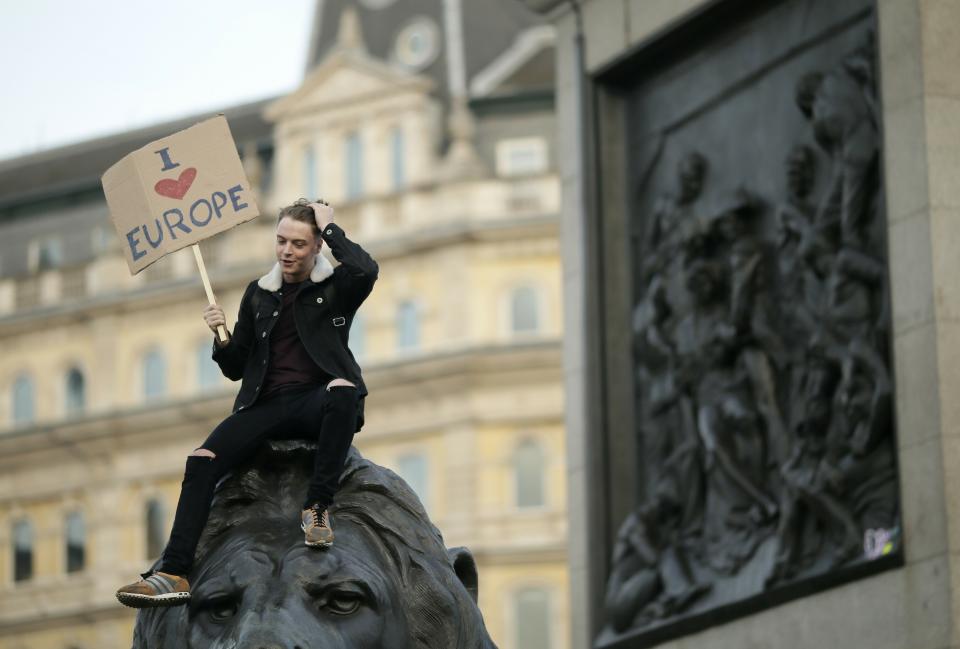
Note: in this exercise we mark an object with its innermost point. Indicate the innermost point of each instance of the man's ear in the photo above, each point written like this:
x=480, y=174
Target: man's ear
x=466, y=568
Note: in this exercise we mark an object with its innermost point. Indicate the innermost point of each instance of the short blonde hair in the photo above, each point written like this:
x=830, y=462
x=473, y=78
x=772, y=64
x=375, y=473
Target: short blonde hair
x=301, y=211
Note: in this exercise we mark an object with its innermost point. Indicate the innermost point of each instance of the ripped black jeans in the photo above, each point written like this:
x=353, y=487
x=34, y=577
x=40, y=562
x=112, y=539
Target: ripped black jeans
x=302, y=412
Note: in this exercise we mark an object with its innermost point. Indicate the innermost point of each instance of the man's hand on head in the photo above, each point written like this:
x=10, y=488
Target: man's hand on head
x=322, y=212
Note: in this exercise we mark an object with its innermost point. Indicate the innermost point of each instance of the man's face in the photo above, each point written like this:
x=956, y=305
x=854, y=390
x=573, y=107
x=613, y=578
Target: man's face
x=296, y=249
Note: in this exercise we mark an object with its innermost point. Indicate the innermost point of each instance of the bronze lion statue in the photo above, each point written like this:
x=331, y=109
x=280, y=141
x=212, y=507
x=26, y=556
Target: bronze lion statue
x=388, y=582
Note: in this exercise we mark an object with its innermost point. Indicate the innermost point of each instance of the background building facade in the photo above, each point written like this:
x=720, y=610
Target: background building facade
x=435, y=142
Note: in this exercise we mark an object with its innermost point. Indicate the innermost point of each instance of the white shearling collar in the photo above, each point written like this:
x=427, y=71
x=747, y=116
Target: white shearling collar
x=272, y=281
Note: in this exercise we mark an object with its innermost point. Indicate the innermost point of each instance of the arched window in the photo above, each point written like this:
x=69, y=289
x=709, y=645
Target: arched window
x=22, y=550
x=398, y=156
x=76, y=391
x=413, y=469
x=528, y=474
x=49, y=254
x=353, y=160
x=154, y=374
x=358, y=336
x=76, y=541
x=408, y=326
x=208, y=372
x=155, y=526
x=523, y=310
x=23, y=400
x=531, y=613
x=310, y=172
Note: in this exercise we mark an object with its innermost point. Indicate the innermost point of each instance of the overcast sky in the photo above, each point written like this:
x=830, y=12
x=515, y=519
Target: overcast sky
x=72, y=70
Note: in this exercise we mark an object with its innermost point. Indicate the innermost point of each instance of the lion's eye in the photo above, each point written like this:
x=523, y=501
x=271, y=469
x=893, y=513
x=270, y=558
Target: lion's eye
x=343, y=602
x=340, y=597
x=220, y=609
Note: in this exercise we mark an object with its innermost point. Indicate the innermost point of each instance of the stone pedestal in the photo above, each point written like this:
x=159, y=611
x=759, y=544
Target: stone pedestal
x=914, y=605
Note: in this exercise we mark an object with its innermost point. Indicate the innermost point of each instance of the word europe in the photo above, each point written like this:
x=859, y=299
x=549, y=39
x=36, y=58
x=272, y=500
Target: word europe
x=199, y=214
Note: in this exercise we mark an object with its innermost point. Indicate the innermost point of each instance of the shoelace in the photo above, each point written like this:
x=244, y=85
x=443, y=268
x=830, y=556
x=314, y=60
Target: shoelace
x=319, y=517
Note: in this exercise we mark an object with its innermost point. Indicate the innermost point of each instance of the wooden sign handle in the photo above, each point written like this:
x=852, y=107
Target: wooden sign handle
x=221, y=330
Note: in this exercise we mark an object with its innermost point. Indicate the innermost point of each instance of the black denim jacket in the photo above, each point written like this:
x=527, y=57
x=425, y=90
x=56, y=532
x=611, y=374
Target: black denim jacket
x=323, y=312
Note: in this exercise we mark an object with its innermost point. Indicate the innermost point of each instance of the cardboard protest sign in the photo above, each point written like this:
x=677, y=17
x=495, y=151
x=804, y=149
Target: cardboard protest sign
x=177, y=191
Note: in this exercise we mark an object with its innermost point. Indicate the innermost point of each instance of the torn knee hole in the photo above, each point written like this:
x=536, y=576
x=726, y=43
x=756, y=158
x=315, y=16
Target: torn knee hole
x=202, y=452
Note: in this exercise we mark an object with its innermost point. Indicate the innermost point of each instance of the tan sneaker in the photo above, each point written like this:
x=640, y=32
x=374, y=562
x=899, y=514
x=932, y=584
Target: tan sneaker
x=156, y=589
x=315, y=523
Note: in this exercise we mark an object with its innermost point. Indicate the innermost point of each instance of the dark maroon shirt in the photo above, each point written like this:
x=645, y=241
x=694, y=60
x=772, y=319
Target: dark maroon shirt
x=290, y=364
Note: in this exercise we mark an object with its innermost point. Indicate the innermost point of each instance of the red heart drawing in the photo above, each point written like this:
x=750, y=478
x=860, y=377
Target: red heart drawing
x=176, y=188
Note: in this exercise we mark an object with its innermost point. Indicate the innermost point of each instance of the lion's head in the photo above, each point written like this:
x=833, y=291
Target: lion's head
x=388, y=581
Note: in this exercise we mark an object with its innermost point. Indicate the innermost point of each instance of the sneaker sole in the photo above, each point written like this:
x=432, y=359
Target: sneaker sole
x=318, y=544
x=133, y=600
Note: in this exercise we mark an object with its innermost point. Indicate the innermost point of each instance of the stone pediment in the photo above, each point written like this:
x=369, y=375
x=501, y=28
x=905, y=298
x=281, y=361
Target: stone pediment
x=346, y=77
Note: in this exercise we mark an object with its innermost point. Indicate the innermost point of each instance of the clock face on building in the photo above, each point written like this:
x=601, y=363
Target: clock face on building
x=376, y=4
x=418, y=44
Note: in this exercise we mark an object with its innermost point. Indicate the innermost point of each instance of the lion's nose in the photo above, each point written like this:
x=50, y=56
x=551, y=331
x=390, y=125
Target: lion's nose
x=270, y=640
x=273, y=626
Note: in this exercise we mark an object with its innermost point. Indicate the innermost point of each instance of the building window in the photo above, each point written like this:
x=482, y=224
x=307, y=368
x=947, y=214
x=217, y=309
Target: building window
x=413, y=469
x=398, y=156
x=23, y=400
x=22, y=550
x=310, y=172
x=418, y=44
x=531, y=612
x=156, y=539
x=208, y=372
x=76, y=542
x=521, y=156
x=528, y=474
x=76, y=392
x=354, y=165
x=46, y=254
x=358, y=336
x=408, y=326
x=154, y=374
x=102, y=239
x=523, y=310
x=260, y=162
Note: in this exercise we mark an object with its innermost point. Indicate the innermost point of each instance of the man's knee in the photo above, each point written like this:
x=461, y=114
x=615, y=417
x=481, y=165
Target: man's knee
x=201, y=465
x=336, y=382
